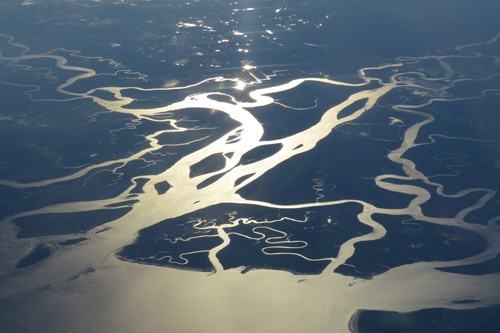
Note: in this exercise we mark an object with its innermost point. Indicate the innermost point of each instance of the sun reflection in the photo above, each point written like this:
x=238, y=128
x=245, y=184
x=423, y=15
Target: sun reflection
x=240, y=85
x=248, y=67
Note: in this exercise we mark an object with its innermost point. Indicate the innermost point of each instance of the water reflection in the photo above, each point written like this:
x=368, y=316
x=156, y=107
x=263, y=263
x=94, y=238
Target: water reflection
x=235, y=164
